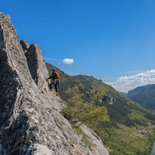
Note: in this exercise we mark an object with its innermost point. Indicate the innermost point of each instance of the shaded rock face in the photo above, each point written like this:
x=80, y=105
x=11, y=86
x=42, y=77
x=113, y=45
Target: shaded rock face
x=32, y=63
x=37, y=66
x=25, y=45
x=30, y=122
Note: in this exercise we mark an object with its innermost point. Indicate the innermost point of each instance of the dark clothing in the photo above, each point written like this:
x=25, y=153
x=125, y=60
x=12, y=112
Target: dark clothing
x=53, y=76
x=54, y=81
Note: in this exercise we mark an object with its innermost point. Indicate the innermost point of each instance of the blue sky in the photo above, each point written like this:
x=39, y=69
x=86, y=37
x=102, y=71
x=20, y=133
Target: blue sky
x=109, y=39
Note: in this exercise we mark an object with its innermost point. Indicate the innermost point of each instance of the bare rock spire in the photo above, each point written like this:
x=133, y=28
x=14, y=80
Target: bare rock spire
x=29, y=123
x=37, y=66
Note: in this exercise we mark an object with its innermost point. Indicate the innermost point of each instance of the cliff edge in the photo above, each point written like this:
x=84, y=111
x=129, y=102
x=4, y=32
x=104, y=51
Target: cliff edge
x=30, y=119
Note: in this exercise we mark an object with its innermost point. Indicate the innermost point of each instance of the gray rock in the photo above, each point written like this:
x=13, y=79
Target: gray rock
x=30, y=121
x=37, y=66
x=25, y=45
x=97, y=145
x=42, y=150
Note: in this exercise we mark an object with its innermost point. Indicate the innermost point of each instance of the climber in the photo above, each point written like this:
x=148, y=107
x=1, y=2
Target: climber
x=55, y=80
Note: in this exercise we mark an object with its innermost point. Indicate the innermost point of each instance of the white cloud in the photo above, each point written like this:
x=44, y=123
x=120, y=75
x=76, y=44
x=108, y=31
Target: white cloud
x=65, y=61
x=126, y=83
x=68, y=61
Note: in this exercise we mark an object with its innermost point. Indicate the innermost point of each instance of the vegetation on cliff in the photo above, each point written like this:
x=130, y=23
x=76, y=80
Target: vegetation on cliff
x=124, y=126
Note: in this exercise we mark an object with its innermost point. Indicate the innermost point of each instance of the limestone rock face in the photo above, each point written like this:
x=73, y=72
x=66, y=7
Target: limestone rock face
x=37, y=66
x=97, y=145
x=30, y=121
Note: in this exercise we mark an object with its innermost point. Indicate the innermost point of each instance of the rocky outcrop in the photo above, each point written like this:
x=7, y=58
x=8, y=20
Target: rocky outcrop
x=30, y=122
x=105, y=100
x=37, y=66
x=25, y=45
x=97, y=147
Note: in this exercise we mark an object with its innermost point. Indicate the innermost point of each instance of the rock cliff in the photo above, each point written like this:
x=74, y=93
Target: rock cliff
x=30, y=119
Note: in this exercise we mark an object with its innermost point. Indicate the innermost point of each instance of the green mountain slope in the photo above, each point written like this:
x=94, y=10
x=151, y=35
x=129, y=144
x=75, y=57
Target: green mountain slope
x=124, y=126
x=144, y=95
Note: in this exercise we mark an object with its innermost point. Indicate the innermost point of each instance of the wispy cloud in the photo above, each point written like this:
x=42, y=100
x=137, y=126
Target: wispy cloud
x=67, y=61
x=50, y=59
x=126, y=83
x=134, y=72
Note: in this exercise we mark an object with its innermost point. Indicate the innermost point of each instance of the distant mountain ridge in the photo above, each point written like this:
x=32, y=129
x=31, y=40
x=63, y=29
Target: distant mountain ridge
x=144, y=95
